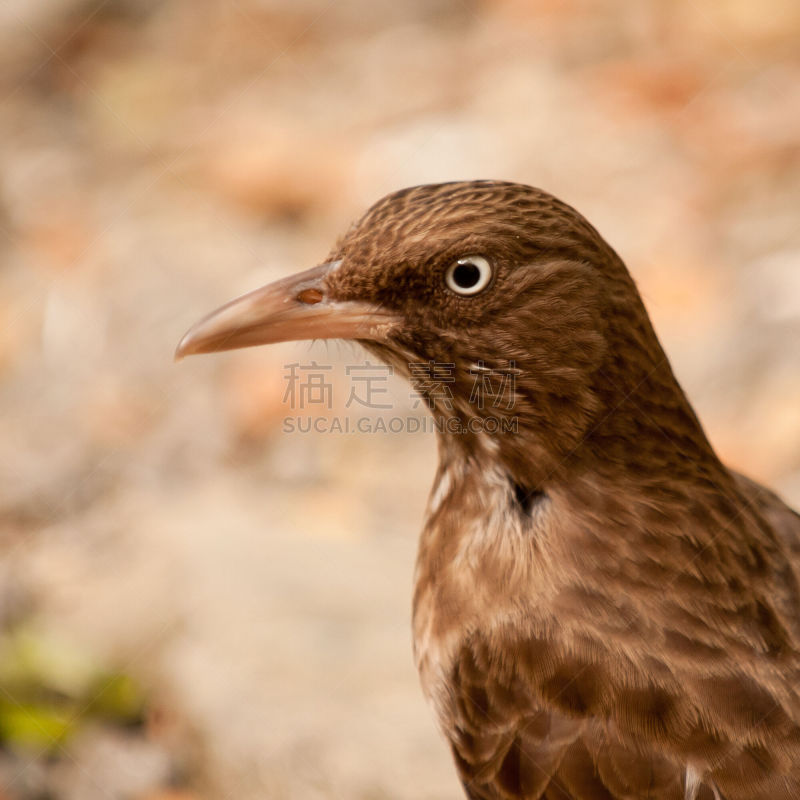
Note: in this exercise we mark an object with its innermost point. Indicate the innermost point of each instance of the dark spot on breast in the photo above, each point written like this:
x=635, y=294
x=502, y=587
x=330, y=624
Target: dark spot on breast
x=527, y=498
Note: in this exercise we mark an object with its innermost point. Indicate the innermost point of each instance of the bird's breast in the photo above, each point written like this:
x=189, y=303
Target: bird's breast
x=480, y=567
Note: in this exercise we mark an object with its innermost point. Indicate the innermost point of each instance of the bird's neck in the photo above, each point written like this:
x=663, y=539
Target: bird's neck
x=628, y=421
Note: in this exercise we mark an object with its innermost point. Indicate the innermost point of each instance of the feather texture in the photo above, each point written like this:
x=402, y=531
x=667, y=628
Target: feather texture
x=634, y=632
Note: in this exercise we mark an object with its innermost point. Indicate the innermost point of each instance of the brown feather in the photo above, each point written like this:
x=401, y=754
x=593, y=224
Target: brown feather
x=639, y=625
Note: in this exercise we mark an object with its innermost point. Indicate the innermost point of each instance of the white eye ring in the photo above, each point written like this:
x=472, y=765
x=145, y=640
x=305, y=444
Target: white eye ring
x=468, y=275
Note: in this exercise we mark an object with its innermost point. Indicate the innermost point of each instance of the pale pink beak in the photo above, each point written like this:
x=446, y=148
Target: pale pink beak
x=293, y=308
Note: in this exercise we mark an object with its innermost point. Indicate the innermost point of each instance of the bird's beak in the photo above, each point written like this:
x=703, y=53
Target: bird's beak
x=297, y=307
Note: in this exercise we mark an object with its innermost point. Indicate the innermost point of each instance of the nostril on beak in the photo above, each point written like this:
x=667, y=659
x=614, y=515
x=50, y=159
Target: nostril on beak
x=310, y=296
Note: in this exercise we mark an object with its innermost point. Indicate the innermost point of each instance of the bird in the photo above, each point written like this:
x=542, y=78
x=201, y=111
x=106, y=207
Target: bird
x=602, y=609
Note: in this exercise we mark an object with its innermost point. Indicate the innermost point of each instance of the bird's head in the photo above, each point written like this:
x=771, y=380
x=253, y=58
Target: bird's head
x=498, y=286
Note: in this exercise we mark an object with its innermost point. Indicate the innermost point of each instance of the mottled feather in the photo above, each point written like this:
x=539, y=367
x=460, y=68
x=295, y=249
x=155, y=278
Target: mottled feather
x=603, y=611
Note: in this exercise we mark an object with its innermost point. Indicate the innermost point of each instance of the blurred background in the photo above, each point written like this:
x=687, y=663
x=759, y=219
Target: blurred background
x=193, y=602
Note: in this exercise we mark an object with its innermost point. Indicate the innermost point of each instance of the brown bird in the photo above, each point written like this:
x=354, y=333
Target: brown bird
x=603, y=610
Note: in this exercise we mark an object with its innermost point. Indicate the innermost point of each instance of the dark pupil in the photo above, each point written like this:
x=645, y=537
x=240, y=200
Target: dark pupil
x=466, y=275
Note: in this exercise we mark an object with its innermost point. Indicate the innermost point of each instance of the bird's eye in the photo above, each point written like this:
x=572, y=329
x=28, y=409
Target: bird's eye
x=468, y=275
